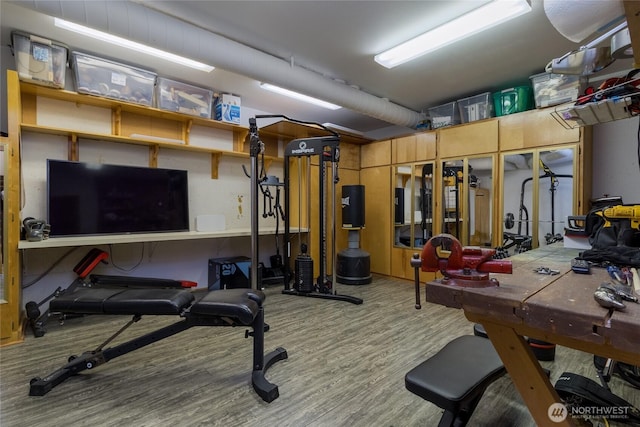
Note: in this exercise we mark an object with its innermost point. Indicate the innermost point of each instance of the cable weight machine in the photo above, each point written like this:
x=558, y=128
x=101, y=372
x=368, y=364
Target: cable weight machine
x=328, y=151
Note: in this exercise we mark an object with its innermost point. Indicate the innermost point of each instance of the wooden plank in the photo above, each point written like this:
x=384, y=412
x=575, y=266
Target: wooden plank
x=567, y=307
x=629, y=322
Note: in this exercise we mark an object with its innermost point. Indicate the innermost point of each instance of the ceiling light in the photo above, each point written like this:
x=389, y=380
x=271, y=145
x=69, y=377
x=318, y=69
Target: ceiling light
x=482, y=18
x=139, y=47
x=299, y=96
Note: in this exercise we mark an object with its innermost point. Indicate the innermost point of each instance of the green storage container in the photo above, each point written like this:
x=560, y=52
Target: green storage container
x=513, y=100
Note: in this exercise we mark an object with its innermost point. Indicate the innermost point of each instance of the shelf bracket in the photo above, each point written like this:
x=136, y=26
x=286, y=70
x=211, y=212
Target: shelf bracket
x=239, y=140
x=72, y=147
x=117, y=121
x=215, y=162
x=154, y=151
x=186, y=131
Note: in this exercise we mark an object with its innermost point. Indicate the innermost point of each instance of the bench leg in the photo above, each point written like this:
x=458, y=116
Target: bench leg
x=266, y=390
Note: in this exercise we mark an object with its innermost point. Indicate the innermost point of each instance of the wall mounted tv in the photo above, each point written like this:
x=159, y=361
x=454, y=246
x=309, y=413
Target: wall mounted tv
x=90, y=199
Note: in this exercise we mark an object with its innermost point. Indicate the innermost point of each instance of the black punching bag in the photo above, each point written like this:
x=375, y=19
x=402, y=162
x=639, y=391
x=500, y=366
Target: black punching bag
x=353, y=206
x=353, y=264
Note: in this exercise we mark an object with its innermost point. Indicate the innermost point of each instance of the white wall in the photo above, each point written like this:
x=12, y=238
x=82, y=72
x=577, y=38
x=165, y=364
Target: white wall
x=229, y=195
x=615, y=160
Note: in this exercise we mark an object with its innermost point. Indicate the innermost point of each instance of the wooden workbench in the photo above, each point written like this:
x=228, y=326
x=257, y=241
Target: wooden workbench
x=555, y=308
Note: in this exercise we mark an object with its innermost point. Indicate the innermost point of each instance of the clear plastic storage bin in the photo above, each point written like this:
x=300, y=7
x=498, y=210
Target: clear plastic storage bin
x=40, y=60
x=476, y=107
x=102, y=77
x=444, y=115
x=553, y=89
x=182, y=97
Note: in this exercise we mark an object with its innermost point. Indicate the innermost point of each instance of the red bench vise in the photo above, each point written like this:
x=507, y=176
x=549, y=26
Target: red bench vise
x=467, y=266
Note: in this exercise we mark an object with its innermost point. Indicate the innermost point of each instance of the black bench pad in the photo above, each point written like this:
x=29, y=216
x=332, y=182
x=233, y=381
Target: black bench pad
x=460, y=371
x=123, y=301
x=240, y=304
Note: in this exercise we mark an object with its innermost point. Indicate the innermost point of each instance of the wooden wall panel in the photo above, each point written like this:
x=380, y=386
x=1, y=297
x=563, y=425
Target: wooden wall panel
x=376, y=236
x=375, y=154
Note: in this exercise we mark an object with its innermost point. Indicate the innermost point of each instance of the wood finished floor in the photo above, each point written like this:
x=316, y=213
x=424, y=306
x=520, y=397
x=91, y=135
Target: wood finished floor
x=346, y=367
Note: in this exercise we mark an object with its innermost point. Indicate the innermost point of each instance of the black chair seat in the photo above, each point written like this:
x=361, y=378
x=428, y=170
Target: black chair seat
x=455, y=378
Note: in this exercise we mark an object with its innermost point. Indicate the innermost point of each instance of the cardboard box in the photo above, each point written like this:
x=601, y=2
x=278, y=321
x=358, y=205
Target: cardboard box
x=229, y=273
x=184, y=98
x=102, y=77
x=40, y=60
x=227, y=108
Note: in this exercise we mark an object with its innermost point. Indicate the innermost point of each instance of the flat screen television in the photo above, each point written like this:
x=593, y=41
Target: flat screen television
x=91, y=199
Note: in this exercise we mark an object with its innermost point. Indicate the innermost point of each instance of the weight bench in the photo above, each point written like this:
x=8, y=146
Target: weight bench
x=456, y=377
x=230, y=307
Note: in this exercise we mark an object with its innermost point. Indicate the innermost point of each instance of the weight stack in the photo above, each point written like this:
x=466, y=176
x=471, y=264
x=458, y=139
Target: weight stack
x=353, y=265
x=303, y=278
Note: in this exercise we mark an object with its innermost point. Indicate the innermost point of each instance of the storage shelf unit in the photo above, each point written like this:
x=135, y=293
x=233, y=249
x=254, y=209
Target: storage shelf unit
x=616, y=102
x=606, y=110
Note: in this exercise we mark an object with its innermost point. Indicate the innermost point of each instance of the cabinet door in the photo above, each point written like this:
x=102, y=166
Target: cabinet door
x=376, y=237
x=467, y=200
x=403, y=149
x=375, y=154
x=536, y=128
x=469, y=139
x=538, y=194
x=412, y=204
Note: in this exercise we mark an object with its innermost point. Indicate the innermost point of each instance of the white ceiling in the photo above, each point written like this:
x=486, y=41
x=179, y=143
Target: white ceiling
x=338, y=40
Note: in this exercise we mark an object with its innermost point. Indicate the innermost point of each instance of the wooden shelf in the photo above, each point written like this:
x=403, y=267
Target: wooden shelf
x=112, y=239
x=291, y=130
x=96, y=101
x=73, y=134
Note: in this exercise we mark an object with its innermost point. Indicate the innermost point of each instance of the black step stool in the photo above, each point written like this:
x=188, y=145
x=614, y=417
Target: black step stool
x=456, y=377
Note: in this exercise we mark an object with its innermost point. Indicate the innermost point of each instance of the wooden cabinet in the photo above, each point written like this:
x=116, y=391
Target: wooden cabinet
x=412, y=148
x=375, y=154
x=376, y=236
x=469, y=139
x=477, y=148
x=532, y=129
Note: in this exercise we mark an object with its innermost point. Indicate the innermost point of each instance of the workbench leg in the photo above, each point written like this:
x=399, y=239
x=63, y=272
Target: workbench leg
x=526, y=373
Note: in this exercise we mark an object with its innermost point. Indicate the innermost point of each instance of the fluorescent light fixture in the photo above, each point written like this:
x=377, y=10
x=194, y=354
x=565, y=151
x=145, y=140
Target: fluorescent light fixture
x=299, y=96
x=139, y=47
x=486, y=16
